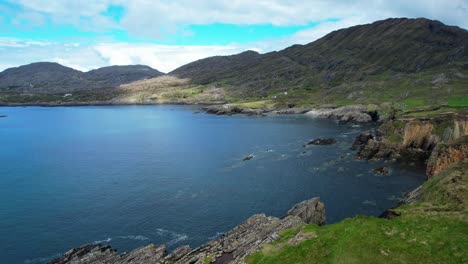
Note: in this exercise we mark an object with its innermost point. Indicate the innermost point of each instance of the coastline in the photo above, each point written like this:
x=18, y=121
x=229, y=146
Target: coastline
x=160, y=251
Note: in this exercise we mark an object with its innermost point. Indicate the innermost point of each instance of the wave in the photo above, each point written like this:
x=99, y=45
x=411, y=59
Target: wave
x=132, y=237
x=172, y=237
x=176, y=240
x=102, y=241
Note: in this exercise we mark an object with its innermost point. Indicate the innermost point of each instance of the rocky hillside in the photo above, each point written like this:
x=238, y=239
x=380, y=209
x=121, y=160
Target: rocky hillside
x=50, y=78
x=386, y=50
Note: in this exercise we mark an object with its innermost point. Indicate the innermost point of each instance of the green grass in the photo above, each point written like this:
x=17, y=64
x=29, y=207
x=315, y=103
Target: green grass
x=207, y=260
x=412, y=103
x=458, y=101
x=255, y=104
x=435, y=230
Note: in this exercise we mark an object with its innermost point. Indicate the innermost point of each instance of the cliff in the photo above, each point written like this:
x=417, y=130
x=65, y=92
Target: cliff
x=446, y=154
x=411, y=139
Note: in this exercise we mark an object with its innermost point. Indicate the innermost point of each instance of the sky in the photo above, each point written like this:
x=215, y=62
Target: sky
x=88, y=34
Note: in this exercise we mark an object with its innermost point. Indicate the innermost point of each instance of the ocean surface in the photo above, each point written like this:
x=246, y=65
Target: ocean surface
x=133, y=175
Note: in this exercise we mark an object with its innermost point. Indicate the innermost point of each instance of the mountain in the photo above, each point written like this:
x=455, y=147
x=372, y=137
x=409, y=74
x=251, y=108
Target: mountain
x=116, y=75
x=387, y=47
x=50, y=77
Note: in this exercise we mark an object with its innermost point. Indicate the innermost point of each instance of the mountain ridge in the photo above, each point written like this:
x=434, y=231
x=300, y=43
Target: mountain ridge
x=393, y=45
x=45, y=77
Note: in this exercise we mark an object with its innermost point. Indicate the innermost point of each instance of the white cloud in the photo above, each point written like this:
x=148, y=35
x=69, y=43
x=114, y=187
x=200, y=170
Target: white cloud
x=162, y=57
x=145, y=18
x=86, y=57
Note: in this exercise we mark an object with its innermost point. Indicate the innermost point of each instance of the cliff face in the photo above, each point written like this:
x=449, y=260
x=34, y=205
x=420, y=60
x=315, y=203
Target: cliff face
x=446, y=154
x=418, y=134
x=415, y=140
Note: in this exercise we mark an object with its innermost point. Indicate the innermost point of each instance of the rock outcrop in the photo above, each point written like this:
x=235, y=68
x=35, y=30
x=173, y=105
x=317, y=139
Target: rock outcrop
x=352, y=113
x=411, y=140
x=321, y=142
x=232, y=247
x=228, y=109
x=310, y=211
x=446, y=154
x=100, y=254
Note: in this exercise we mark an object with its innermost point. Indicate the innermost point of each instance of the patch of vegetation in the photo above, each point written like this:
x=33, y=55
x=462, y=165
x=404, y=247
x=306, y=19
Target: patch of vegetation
x=393, y=130
x=412, y=103
x=262, y=104
x=207, y=260
x=458, y=101
x=287, y=234
x=434, y=230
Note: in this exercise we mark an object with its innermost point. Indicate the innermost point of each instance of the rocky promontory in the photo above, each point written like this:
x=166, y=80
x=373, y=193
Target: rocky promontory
x=410, y=139
x=351, y=113
x=232, y=247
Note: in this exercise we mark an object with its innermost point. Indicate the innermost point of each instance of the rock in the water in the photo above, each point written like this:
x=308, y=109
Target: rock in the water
x=382, y=170
x=248, y=157
x=361, y=140
x=310, y=211
x=2, y=116
x=321, y=142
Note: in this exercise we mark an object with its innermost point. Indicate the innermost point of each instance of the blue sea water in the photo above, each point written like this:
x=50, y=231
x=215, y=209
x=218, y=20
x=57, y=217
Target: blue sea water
x=133, y=175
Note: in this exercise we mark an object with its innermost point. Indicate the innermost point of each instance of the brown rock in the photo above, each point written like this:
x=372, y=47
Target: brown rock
x=446, y=154
x=310, y=211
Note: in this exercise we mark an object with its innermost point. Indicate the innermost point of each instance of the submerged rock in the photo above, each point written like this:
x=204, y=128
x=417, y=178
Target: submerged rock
x=248, y=157
x=3, y=116
x=321, y=142
x=382, y=170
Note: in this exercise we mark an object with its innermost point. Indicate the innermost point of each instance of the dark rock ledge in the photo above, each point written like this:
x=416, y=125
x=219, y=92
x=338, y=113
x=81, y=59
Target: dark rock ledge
x=232, y=247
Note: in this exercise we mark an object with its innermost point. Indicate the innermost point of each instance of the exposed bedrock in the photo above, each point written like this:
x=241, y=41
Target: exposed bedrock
x=412, y=140
x=351, y=113
x=446, y=154
x=232, y=247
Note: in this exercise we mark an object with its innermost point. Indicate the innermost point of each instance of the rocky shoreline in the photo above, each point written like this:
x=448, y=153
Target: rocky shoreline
x=344, y=114
x=232, y=247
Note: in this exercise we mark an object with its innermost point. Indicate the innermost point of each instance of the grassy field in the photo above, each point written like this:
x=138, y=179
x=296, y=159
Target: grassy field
x=434, y=230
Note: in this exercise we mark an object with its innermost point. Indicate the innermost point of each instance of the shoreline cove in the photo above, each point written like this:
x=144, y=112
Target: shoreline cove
x=267, y=150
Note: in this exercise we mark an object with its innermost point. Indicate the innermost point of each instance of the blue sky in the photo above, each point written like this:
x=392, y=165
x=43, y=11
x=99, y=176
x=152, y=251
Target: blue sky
x=167, y=34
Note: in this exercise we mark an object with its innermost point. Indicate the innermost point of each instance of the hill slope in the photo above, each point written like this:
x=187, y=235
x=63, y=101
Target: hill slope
x=49, y=77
